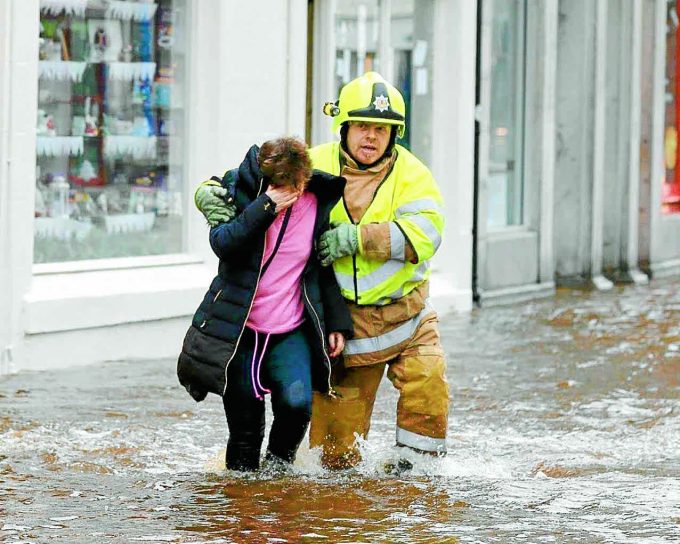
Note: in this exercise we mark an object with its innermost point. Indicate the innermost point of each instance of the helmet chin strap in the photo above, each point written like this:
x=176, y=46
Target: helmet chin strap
x=362, y=166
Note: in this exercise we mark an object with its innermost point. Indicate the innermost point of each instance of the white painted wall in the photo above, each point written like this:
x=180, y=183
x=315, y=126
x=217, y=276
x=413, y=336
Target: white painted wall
x=6, y=298
x=453, y=127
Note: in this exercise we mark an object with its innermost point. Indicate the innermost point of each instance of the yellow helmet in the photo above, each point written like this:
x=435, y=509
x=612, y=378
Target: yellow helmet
x=371, y=99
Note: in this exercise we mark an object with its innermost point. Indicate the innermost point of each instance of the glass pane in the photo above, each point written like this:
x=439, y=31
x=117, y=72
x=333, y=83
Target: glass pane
x=412, y=51
x=505, y=186
x=110, y=122
x=670, y=189
x=356, y=39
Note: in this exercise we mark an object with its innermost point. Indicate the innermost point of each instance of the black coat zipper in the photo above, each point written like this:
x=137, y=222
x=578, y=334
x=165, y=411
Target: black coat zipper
x=257, y=283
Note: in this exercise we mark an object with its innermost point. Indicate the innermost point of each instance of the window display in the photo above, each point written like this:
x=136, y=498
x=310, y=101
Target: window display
x=109, y=127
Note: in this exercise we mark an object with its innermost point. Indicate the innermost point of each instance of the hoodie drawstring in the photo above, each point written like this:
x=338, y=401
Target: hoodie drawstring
x=258, y=388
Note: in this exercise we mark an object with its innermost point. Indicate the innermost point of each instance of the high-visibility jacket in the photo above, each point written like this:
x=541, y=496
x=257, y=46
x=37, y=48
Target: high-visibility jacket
x=409, y=200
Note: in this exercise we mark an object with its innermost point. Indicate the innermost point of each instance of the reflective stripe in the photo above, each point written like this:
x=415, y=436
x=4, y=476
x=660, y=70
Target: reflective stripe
x=389, y=339
x=369, y=281
x=397, y=242
x=428, y=228
x=421, y=205
x=420, y=273
x=418, y=276
x=420, y=442
x=345, y=281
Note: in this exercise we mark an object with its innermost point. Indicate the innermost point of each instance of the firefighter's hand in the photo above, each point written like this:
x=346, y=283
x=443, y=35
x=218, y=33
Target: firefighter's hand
x=210, y=201
x=336, y=342
x=338, y=242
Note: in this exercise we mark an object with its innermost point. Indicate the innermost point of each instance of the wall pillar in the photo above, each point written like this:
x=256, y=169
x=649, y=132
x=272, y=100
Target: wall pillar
x=453, y=124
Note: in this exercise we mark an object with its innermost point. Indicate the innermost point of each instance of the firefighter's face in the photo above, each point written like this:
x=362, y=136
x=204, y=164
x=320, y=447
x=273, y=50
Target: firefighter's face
x=367, y=142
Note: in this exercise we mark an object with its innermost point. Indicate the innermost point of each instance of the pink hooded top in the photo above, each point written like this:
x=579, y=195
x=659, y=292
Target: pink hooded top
x=278, y=306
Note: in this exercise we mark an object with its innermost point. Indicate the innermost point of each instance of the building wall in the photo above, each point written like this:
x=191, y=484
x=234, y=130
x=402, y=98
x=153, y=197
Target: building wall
x=574, y=137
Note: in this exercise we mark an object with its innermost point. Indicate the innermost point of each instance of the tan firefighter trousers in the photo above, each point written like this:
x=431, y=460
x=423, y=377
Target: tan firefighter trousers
x=417, y=371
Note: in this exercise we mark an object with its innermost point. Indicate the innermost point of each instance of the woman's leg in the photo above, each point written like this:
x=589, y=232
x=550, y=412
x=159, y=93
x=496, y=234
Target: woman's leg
x=287, y=373
x=244, y=411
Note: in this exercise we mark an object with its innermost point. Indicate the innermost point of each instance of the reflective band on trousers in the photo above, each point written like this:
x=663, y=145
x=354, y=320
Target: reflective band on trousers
x=389, y=339
x=420, y=442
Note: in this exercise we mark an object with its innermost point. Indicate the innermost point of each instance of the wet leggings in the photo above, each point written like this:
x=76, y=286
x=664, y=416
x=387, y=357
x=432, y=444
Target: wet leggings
x=279, y=364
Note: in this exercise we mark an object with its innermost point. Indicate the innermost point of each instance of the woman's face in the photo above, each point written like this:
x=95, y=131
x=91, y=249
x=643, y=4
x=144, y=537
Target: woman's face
x=367, y=142
x=297, y=182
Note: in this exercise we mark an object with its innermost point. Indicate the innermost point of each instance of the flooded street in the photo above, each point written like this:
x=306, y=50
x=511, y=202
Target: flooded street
x=565, y=427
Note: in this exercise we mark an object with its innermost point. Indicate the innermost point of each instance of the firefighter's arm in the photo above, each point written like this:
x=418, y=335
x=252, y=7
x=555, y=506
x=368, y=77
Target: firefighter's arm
x=415, y=233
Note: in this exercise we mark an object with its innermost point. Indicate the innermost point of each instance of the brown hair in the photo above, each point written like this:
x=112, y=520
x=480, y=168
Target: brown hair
x=285, y=161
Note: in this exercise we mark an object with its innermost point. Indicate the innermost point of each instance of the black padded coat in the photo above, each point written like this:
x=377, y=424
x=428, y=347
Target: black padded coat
x=217, y=326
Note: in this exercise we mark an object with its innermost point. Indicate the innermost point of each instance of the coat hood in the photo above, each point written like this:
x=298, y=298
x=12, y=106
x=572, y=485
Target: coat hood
x=249, y=173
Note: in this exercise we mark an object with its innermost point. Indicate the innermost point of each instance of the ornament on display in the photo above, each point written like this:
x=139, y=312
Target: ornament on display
x=103, y=203
x=162, y=204
x=40, y=200
x=87, y=171
x=165, y=27
x=104, y=40
x=59, y=196
x=139, y=147
x=61, y=70
x=130, y=11
x=84, y=206
x=61, y=228
x=86, y=174
x=91, y=128
x=131, y=71
x=126, y=54
x=45, y=124
x=68, y=7
x=100, y=44
x=59, y=146
x=129, y=222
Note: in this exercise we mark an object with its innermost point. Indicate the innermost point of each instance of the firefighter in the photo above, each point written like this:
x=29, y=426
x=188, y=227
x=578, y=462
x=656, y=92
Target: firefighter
x=385, y=231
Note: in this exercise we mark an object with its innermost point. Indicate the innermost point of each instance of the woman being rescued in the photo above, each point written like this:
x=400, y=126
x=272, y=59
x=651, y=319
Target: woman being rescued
x=273, y=318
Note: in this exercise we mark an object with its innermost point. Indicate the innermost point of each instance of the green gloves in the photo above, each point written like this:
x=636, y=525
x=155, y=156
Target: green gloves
x=210, y=200
x=338, y=242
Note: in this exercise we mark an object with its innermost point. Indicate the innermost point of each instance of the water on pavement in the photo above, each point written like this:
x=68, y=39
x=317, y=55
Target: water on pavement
x=565, y=427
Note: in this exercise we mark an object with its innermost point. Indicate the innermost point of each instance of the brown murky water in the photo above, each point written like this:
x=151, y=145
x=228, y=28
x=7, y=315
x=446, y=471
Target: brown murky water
x=565, y=427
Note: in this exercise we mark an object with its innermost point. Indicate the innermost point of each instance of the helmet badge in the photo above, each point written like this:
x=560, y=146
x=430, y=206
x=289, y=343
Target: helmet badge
x=381, y=103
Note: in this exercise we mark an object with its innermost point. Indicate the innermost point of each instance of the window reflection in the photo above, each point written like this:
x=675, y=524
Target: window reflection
x=409, y=63
x=506, y=138
x=356, y=39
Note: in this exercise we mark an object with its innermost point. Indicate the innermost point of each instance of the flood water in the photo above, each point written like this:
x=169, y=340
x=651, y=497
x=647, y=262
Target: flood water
x=565, y=427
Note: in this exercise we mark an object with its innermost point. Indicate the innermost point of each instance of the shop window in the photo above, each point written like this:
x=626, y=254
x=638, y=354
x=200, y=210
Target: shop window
x=506, y=122
x=109, y=129
x=670, y=189
x=412, y=36
x=408, y=65
x=356, y=39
